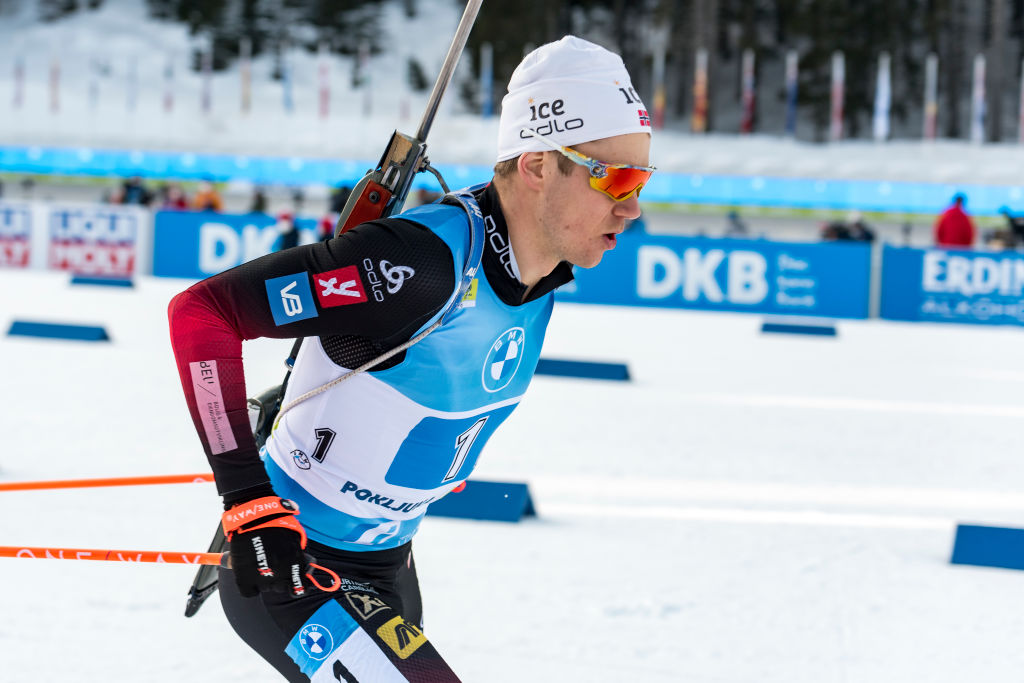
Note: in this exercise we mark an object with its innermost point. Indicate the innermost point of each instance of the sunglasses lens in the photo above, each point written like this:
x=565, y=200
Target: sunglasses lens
x=621, y=183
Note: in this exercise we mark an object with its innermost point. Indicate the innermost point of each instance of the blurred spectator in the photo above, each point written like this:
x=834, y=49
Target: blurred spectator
x=853, y=229
x=339, y=197
x=734, y=225
x=425, y=196
x=259, y=201
x=906, y=229
x=207, y=198
x=954, y=228
x=1, y=188
x=859, y=230
x=1014, y=226
x=288, y=230
x=134, y=191
x=325, y=228
x=172, y=197
x=835, y=231
x=112, y=195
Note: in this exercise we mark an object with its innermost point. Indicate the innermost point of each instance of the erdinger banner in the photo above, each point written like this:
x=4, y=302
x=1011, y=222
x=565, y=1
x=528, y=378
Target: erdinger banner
x=829, y=280
x=94, y=239
x=940, y=285
x=15, y=235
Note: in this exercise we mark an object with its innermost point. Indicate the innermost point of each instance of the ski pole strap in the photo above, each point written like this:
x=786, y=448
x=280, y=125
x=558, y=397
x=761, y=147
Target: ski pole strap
x=263, y=513
x=335, y=580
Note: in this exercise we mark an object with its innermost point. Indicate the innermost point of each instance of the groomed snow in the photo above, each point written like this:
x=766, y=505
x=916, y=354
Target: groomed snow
x=748, y=508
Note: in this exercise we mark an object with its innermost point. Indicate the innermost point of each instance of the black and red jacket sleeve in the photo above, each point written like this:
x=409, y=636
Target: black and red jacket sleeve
x=380, y=281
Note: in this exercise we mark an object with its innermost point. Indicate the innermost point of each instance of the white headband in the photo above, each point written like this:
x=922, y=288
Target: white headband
x=571, y=91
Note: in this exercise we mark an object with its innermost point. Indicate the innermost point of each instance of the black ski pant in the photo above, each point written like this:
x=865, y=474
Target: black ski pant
x=379, y=592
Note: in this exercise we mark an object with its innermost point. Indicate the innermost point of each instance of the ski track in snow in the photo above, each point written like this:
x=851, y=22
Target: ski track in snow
x=749, y=508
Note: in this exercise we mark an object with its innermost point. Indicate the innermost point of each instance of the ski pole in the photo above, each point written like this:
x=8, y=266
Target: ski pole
x=115, y=555
x=157, y=556
x=107, y=481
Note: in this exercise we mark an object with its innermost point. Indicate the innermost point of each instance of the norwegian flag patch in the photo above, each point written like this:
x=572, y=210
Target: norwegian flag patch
x=645, y=118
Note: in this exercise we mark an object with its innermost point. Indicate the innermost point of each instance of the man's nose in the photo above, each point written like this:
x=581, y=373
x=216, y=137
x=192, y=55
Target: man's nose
x=628, y=208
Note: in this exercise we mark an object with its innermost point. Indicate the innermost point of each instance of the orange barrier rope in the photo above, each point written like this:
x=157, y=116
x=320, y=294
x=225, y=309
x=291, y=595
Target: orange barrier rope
x=109, y=481
x=114, y=555
x=221, y=559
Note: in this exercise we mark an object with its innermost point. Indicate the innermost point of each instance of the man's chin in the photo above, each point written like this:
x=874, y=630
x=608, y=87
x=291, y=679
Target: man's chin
x=592, y=262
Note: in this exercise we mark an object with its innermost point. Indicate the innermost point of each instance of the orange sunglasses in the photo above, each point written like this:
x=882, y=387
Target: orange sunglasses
x=618, y=181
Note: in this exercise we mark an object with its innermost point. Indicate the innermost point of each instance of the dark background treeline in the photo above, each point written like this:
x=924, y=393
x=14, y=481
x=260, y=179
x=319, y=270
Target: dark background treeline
x=956, y=30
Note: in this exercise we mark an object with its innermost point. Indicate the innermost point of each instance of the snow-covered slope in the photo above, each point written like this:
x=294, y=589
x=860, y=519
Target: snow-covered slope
x=120, y=33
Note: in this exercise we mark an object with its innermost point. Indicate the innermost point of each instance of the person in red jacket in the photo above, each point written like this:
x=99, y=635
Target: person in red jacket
x=954, y=228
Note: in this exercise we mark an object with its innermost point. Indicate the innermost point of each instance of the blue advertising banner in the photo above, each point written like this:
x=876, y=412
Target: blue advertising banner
x=754, y=276
x=199, y=244
x=940, y=285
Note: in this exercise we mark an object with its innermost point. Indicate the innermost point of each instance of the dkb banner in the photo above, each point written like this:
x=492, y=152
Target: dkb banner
x=753, y=276
x=197, y=245
x=937, y=285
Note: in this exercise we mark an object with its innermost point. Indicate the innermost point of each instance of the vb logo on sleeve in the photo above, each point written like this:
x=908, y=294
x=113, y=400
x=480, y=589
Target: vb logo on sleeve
x=290, y=298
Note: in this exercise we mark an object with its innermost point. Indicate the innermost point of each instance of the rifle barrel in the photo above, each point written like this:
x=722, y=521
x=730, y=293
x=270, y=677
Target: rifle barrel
x=451, y=60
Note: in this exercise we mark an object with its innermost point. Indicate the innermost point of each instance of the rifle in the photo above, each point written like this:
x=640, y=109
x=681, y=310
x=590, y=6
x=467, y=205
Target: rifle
x=380, y=193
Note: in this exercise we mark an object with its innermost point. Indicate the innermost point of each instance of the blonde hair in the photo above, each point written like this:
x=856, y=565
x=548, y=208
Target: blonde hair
x=505, y=169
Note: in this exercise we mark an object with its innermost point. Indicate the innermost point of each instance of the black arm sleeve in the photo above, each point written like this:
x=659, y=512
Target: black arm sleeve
x=380, y=281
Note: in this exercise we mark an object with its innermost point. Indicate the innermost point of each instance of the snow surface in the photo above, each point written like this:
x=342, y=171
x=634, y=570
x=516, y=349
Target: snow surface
x=120, y=33
x=748, y=508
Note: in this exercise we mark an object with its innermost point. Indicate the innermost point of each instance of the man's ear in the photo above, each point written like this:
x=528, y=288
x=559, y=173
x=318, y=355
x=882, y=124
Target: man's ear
x=531, y=169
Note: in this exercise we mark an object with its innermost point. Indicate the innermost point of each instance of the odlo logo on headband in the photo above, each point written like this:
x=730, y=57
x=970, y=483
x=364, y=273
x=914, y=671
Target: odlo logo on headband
x=548, y=113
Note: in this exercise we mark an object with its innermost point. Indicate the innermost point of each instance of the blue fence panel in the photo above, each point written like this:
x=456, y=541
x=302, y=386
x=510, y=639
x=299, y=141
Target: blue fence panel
x=197, y=245
x=753, y=276
x=940, y=285
x=863, y=195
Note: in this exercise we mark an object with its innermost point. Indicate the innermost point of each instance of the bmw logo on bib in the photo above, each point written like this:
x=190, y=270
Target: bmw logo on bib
x=316, y=641
x=503, y=359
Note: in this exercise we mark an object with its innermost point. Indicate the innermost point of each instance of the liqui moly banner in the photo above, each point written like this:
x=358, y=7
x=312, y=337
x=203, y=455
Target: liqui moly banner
x=94, y=239
x=943, y=285
x=15, y=234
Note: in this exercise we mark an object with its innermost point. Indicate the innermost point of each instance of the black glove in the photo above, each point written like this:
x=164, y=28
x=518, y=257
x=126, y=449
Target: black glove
x=267, y=544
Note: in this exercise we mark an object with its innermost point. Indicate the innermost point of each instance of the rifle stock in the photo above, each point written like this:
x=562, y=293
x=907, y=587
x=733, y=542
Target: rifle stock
x=382, y=191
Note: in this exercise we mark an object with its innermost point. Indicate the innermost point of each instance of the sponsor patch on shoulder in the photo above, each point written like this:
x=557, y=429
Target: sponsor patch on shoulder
x=290, y=298
x=339, y=287
x=469, y=298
